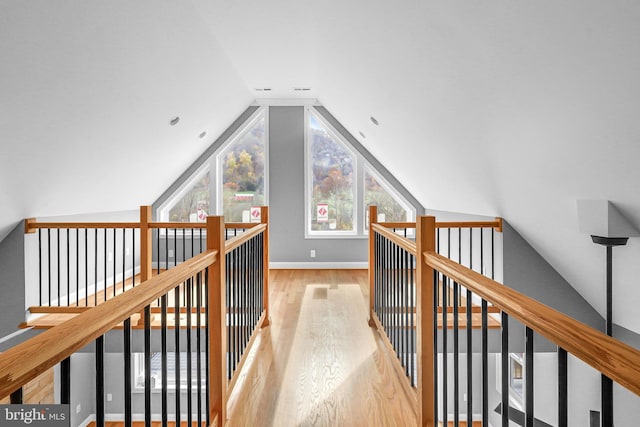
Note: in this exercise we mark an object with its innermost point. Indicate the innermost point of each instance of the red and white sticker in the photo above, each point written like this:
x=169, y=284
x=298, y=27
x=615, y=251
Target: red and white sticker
x=256, y=215
x=322, y=212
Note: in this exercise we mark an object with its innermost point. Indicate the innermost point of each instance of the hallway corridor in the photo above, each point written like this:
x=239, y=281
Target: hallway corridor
x=319, y=363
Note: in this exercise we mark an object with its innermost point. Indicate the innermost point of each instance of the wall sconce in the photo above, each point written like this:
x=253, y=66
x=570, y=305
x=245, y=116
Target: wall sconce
x=608, y=228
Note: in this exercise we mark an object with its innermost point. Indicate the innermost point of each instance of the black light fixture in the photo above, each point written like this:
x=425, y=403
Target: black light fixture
x=607, y=227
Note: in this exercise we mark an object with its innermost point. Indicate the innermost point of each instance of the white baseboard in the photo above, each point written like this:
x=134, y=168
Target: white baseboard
x=318, y=265
x=87, y=420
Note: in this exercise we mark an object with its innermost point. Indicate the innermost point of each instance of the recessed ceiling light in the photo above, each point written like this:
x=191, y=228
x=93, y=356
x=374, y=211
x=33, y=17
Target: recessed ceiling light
x=362, y=134
x=374, y=120
x=263, y=89
x=202, y=135
x=302, y=89
x=174, y=121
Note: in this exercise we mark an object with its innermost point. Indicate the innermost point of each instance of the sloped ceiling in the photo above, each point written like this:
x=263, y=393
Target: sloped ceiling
x=87, y=91
x=505, y=108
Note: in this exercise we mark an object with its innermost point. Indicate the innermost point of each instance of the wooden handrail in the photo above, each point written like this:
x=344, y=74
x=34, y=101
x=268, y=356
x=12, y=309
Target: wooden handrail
x=398, y=224
x=497, y=224
x=24, y=362
x=404, y=243
x=31, y=225
x=236, y=241
x=609, y=356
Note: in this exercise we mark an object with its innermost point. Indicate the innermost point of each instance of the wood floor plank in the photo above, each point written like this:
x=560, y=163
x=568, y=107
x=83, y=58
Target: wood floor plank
x=319, y=363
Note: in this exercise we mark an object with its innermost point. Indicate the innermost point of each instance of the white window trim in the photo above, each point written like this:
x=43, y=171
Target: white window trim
x=139, y=378
x=308, y=190
x=218, y=156
x=215, y=196
x=411, y=211
x=163, y=210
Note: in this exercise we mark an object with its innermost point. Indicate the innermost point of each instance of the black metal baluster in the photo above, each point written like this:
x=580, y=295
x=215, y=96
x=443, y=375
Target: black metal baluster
x=189, y=361
x=394, y=292
x=528, y=369
x=563, y=401
x=68, y=271
x=176, y=320
x=95, y=267
x=16, y=397
x=485, y=344
x=104, y=275
x=86, y=267
x=456, y=353
x=128, y=417
x=436, y=304
x=505, y=369
x=65, y=381
x=175, y=247
x=229, y=314
x=198, y=343
x=165, y=364
x=58, y=262
x=100, y=381
x=115, y=256
x=158, y=250
x=49, y=263
x=485, y=364
x=405, y=311
x=147, y=366
x=412, y=329
x=236, y=314
x=445, y=350
x=124, y=259
x=77, y=266
x=133, y=257
x=470, y=339
x=40, y=265
x=184, y=251
x=206, y=346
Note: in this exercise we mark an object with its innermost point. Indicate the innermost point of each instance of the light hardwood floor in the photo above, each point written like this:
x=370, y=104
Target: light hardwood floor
x=319, y=363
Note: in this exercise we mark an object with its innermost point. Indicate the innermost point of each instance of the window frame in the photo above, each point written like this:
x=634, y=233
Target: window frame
x=404, y=203
x=218, y=157
x=212, y=165
x=308, y=180
x=164, y=209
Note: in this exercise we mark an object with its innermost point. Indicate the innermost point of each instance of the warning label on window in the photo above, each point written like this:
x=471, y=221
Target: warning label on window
x=322, y=212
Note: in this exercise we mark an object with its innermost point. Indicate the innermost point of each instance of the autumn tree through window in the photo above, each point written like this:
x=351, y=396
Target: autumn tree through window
x=332, y=190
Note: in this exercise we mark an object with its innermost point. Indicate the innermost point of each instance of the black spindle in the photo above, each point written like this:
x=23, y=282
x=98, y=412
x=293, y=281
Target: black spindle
x=563, y=402
x=65, y=381
x=100, y=381
x=505, y=369
x=528, y=369
x=127, y=373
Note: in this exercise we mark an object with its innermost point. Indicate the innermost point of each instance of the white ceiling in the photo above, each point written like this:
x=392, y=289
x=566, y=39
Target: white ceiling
x=505, y=108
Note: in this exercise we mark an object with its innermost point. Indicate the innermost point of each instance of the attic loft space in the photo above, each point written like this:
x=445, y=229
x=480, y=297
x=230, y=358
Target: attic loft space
x=300, y=161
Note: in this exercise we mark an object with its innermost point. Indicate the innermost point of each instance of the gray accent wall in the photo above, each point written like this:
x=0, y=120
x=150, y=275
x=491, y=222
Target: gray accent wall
x=527, y=272
x=12, y=281
x=286, y=198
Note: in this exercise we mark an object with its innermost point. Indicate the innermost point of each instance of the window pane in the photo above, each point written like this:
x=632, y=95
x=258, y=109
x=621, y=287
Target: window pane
x=243, y=165
x=194, y=205
x=375, y=194
x=332, y=192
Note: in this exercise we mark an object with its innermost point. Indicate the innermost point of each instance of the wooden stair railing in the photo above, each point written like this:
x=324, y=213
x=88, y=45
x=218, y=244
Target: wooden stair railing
x=148, y=297
x=429, y=283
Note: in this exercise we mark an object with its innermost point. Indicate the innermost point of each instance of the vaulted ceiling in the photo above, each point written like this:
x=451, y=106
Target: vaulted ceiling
x=513, y=109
